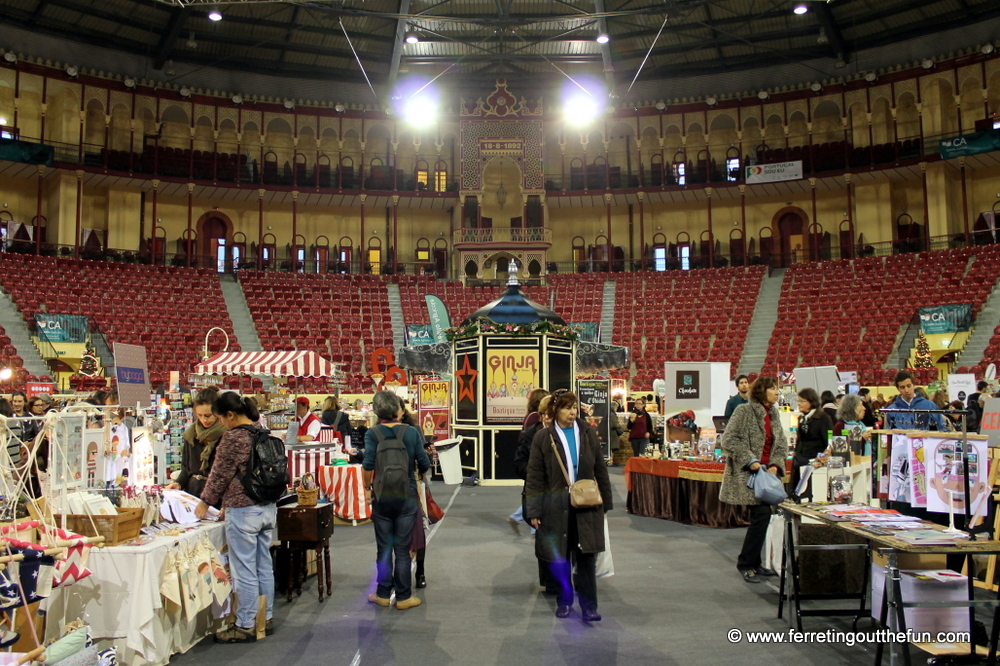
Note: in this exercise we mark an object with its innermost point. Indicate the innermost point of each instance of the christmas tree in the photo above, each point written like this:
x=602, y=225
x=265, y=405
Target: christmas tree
x=923, y=354
x=88, y=364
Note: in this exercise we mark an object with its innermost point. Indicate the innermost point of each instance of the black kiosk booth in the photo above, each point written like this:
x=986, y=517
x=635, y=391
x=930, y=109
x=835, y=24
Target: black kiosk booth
x=497, y=356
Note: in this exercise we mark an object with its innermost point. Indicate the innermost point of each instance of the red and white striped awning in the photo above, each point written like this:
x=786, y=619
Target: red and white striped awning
x=271, y=364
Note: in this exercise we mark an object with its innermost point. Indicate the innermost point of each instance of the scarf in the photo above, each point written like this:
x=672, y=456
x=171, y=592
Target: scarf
x=209, y=437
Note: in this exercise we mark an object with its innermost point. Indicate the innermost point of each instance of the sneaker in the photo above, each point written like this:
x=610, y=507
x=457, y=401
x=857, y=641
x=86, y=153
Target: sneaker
x=514, y=526
x=764, y=571
x=236, y=634
x=375, y=599
x=750, y=576
x=269, y=627
x=412, y=602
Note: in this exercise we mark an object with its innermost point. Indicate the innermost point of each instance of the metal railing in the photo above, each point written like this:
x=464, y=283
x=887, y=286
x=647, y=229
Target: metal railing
x=503, y=235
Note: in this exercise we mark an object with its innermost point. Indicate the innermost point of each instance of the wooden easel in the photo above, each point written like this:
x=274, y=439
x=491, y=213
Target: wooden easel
x=991, y=560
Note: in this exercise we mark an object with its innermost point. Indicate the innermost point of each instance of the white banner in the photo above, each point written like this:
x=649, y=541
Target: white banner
x=960, y=387
x=773, y=173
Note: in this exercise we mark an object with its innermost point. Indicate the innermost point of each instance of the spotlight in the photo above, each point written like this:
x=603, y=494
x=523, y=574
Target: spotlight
x=6, y=374
x=411, y=38
x=72, y=71
x=215, y=15
x=580, y=109
x=420, y=111
x=339, y=108
x=871, y=77
x=289, y=104
x=237, y=99
x=801, y=9
x=763, y=94
x=660, y=106
x=129, y=82
x=711, y=101
x=927, y=63
x=3, y=121
x=185, y=91
x=986, y=49
x=603, y=39
x=11, y=57
x=816, y=87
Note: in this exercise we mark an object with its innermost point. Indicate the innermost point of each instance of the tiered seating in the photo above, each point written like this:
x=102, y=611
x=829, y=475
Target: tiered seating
x=10, y=359
x=168, y=310
x=985, y=272
x=697, y=315
x=849, y=314
x=341, y=317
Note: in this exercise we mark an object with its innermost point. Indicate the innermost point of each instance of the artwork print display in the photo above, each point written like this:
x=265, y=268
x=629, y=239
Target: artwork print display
x=946, y=478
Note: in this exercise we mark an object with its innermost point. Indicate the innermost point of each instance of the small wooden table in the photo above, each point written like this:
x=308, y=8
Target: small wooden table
x=300, y=529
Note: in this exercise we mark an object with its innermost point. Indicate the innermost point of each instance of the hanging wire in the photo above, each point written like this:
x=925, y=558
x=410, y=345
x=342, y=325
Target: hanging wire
x=650, y=51
x=358, y=58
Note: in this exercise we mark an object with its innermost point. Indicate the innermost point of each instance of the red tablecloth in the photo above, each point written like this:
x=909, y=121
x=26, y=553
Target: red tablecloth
x=345, y=486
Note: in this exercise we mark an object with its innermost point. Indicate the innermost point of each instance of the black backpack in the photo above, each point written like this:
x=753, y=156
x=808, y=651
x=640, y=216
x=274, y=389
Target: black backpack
x=392, y=464
x=265, y=479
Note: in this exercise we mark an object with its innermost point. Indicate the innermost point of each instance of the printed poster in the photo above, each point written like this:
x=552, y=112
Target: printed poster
x=117, y=455
x=899, y=468
x=433, y=411
x=595, y=401
x=93, y=442
x=511, y=374
x=143, y=473
x=945, y=472
x=434, y=393
x=918, y=472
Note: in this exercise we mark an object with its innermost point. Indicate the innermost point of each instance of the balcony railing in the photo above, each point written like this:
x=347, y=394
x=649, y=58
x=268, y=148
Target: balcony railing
x=504, y=235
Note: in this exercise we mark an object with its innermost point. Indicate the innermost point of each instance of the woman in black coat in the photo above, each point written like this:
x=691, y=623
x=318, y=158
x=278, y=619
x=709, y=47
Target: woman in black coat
x=566, y=534
x=814, y=426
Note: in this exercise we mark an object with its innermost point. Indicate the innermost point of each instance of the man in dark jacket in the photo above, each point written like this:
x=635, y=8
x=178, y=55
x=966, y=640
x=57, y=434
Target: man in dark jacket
x=743, y=390
x=973, y=405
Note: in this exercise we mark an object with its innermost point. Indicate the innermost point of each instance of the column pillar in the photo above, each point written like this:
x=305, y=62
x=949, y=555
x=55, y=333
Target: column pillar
x=743, y=222
x=610, y=245
x=260, y=229
x=189, y=232
x=395, y=236
x=642, y=231
x=79, y=218
x=812, y=187
x=38, y=215
x=965, y=202
x=156, y=222
x=711, y=234
x=295, y=231
x=362, y=244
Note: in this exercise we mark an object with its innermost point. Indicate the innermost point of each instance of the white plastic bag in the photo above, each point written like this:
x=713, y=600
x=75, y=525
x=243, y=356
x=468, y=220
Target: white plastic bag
x=605, y=564
x=775, y=542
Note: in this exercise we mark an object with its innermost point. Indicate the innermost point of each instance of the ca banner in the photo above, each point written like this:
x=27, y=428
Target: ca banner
x=419, y=334
x=970, y=144
x=946, y=318
x=438, y=313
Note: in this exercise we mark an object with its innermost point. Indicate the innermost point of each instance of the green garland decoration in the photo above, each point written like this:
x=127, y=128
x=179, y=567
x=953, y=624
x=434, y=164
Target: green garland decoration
x=487, y=325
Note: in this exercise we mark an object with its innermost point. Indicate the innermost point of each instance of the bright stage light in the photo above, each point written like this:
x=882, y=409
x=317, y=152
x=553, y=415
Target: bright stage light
x=411, y=38
x=603, y=39
x=420, y=111
x=800, y=9
x=580, y=109
x=215, y=15
x=6, y=374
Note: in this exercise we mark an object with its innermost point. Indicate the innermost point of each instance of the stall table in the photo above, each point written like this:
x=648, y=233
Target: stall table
x=121, y=600
x=345, y=486
x=685, y=491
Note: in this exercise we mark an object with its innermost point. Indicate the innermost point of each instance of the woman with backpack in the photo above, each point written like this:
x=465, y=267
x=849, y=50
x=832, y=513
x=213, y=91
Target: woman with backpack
x=249, y=526
x=394, y=451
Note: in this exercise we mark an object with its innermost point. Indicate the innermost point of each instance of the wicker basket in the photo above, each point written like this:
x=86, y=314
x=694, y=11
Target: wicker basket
x=115, y=529
x=308, y=497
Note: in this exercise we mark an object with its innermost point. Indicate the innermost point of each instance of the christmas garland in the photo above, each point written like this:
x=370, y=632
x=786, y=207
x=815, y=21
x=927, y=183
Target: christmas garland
x=487, y=325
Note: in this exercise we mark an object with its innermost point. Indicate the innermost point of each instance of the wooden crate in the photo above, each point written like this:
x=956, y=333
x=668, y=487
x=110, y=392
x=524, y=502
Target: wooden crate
x=115, y=529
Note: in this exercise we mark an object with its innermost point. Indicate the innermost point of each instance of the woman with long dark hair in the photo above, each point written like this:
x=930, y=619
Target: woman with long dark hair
x=753, y=440
x=567, y=535
x=814, y=425
x=200, y=441
x=249, y=526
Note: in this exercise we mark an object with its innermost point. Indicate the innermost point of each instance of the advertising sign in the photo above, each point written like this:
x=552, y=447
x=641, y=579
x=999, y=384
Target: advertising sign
x=466, y=386
x=960, y=387
x=774, y=173
x=32, y=389
x=688, y=386
x=61, y=327
x=595, y=402
x=511, y=374
x=419, y=334
x=970, y=144
x=433, y=412
x=438, y=313
x=946, y=318
x=945, y=474
x=133, y=374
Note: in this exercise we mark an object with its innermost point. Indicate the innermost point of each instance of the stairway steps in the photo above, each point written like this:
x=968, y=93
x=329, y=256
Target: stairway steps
x=239, y=314
x=20, y=337
x=765, y=316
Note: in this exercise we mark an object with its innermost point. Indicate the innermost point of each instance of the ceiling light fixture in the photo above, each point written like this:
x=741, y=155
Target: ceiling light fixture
x=340, y=108
x=800, y=9
x=215, y=14
x=871, y=77
x=986, y=48
x=72, y=71
x=822, y=38
x=185, y=92
x=763, y=94
x=603, y=39
x=289, y=104
x=129, y=82
x=411, y=38
x=816, y=87
x=191, y=43
x=237, y=99
x=11, y=57
x=169, y=69
x=927, y=63
x=660, y=106
x=711, y=101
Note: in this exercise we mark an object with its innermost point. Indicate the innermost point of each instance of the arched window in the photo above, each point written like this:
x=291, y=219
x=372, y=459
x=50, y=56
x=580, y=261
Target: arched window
x=440, y=176
x=268, y=251
x=239, y=249
x=321, y=254
x=345, y=255
x=422, y=176
x=680, y=168
x=423, y=250
x=580, y=254
x=373, y=256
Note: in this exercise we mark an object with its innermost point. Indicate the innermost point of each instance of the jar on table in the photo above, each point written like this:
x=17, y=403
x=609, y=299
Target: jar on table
x=841, y=489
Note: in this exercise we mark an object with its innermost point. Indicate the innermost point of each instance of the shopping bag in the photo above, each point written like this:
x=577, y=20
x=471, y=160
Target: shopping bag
x=605, y=565
x=767, y=487
x=434, y=512
x=775, y=542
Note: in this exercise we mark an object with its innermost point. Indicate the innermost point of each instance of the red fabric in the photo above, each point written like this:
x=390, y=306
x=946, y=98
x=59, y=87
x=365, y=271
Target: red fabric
x=639, y=427
x=434, y=511
x=765, y=456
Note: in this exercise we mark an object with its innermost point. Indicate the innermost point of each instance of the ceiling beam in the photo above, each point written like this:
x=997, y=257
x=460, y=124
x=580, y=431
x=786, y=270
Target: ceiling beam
x=398, y=44
x=715, y=33
x=829, y=24
x=288, y=34
x=169, y=37
x=609, y=65
x=42, y=4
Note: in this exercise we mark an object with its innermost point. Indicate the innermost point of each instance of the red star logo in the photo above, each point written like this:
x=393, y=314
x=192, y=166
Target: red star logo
x=467, y=381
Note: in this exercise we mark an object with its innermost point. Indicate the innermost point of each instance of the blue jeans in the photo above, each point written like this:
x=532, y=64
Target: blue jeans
x=394, y=520
x=249, y=530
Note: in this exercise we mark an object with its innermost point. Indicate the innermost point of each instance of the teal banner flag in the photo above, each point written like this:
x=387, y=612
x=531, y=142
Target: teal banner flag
x=440, y=319
x=946, y=318
x=419, y=334
x=61, y=327
x=589, y=332
x=970, y=144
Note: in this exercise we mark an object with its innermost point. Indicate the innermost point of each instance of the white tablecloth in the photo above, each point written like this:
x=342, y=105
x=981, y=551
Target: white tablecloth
x=122, y=601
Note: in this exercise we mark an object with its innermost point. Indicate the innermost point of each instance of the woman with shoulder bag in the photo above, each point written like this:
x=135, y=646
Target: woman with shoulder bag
x=565, y=456
x=753, y=440
x=814, y=424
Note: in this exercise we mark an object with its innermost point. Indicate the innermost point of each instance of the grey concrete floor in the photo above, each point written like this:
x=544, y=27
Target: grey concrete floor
x=673, y=599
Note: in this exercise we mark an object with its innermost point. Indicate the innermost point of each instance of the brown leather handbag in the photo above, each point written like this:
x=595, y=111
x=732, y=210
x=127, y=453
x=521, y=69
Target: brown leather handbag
x=584, y=494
